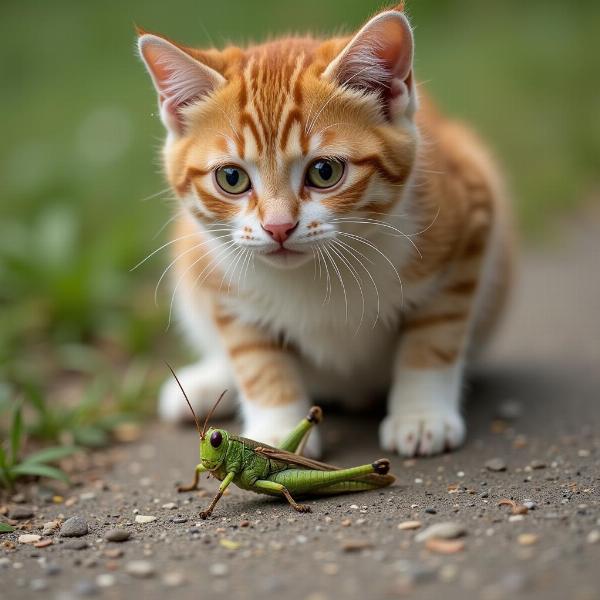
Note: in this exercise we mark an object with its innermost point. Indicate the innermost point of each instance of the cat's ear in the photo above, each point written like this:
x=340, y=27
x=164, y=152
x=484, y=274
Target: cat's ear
x=379, y=59
x=179, y=78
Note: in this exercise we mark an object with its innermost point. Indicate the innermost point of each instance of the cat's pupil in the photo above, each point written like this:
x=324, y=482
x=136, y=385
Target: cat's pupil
x=232, y=176
x=325, y=170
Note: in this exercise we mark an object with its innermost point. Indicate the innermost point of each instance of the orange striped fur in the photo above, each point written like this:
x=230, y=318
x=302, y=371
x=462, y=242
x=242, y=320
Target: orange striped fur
x=380, y=279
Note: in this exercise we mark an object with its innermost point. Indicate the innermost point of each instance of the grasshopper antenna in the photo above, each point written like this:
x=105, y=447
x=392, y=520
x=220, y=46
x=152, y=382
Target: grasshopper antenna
x=200, y=432
x=210, y=413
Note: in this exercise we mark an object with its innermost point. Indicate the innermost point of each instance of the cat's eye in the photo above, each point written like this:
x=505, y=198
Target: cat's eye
x=232, y=179
x=324, y=173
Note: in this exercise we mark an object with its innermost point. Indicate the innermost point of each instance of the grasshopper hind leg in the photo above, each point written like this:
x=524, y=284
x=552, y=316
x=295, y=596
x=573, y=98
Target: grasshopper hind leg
x=296, y=440
x=270, y=487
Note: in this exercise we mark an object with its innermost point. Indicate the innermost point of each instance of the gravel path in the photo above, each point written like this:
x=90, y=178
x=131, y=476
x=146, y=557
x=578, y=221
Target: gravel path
x=516, y=511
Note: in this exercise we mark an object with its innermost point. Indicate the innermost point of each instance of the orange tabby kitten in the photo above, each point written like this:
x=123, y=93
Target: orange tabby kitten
x=338, y=236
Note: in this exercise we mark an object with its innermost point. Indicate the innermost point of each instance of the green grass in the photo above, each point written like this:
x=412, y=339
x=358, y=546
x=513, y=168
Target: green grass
x=80, y=147
x=15, y=465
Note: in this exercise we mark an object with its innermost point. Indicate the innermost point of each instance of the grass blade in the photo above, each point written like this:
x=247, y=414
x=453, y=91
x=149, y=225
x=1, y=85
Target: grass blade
x=16, y=432
x=40, y=470
x=6, y=528
x=50, y=454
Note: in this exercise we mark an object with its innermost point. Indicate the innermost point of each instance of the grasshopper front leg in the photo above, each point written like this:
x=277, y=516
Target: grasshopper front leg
x=224, y=484
x=194, y=485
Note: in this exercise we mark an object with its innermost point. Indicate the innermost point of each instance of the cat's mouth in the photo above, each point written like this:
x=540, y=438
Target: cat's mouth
x=283, y=251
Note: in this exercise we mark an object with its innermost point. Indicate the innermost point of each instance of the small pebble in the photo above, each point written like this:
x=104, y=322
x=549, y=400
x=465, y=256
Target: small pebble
x=170, y=505
x=247, y=523
x=74, y=527
x=140, y=568
x=331, y=569
x=495, y=464
x=485, y=494
x=20, y=513
x=38, y=585
x=29, y=538
x=446, y=531
x=86, y=588
x=117, y=535
x=52, y=569
x=143, y=519
x=180, y=520
x=431, y=511
x=173, y=579
x=515, y=518
x=529, y=504
x=444, y=546
x=537, y=464
x=408, y=525
x=105, y=580
x=113, y=553
x=50, y=527
x=219, y=569
x=44, y=543
x=593, y=537
x=76, y=545
x=510, y=410
x=527, y=539
x=356, y=545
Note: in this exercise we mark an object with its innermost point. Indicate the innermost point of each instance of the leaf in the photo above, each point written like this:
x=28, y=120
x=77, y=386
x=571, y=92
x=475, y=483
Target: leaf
x=16, y=431
x=6, y=528
x=50, y=454
x=40, y=470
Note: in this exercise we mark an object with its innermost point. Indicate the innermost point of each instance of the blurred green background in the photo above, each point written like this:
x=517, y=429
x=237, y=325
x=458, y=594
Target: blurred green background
x=80, y=182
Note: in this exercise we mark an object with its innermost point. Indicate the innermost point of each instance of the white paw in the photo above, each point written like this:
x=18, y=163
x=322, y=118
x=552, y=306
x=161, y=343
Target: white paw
x=203, y=383
x=422, y=432
x=271, y=425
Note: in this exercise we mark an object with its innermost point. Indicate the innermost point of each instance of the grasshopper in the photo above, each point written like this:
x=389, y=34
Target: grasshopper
x=279, y=471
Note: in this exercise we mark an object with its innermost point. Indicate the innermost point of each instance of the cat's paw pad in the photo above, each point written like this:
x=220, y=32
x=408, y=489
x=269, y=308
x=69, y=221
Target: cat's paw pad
x=203, y=384
x=422, y=433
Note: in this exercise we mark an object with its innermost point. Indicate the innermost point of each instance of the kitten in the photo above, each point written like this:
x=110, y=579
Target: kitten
x=337, y=235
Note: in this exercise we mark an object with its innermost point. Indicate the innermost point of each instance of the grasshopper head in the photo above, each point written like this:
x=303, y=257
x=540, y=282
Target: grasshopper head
x=213, y=448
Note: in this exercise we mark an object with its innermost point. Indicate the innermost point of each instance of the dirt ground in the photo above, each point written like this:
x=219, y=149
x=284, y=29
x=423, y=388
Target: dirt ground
x=533, y=405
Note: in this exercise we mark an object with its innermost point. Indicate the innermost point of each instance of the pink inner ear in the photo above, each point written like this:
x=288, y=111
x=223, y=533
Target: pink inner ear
x=178, y=78
x=379, y=59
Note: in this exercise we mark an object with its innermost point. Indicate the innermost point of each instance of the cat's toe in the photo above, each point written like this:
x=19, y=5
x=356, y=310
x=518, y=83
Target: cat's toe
x=422, y=434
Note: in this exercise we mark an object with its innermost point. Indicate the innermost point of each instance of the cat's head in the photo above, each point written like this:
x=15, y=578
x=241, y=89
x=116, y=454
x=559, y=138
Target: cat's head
x=281, y=144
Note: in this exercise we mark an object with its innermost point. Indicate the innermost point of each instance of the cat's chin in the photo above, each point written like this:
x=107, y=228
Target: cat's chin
x=286, y=260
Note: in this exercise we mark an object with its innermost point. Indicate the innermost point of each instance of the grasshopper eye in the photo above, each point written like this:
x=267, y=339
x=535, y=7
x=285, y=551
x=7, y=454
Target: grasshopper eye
x=215, y=439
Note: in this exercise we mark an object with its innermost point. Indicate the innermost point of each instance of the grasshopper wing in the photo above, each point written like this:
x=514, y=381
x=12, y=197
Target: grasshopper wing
x=294, y=459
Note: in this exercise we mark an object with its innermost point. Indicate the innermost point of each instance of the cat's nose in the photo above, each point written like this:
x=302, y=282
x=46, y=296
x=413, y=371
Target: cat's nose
x=280, y=231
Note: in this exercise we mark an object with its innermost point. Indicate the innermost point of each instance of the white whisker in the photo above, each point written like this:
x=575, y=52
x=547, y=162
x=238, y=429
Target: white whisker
x=362, y=240
x=353, y=252
x=182, y=254
x=356, y=277
x=339, y=276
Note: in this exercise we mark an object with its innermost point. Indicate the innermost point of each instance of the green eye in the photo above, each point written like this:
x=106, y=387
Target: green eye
x=232, y=180
x=324, y=173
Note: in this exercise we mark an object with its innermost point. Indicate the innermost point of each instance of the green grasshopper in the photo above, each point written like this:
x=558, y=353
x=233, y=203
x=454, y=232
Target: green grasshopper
x=277, y=471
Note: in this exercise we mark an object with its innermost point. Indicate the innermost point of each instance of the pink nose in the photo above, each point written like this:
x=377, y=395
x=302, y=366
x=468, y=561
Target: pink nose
x=280, y=231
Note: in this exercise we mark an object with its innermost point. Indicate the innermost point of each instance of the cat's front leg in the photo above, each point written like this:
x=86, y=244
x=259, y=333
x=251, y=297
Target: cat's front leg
x=424, y=415
x=272, y=397
x=424, y=411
